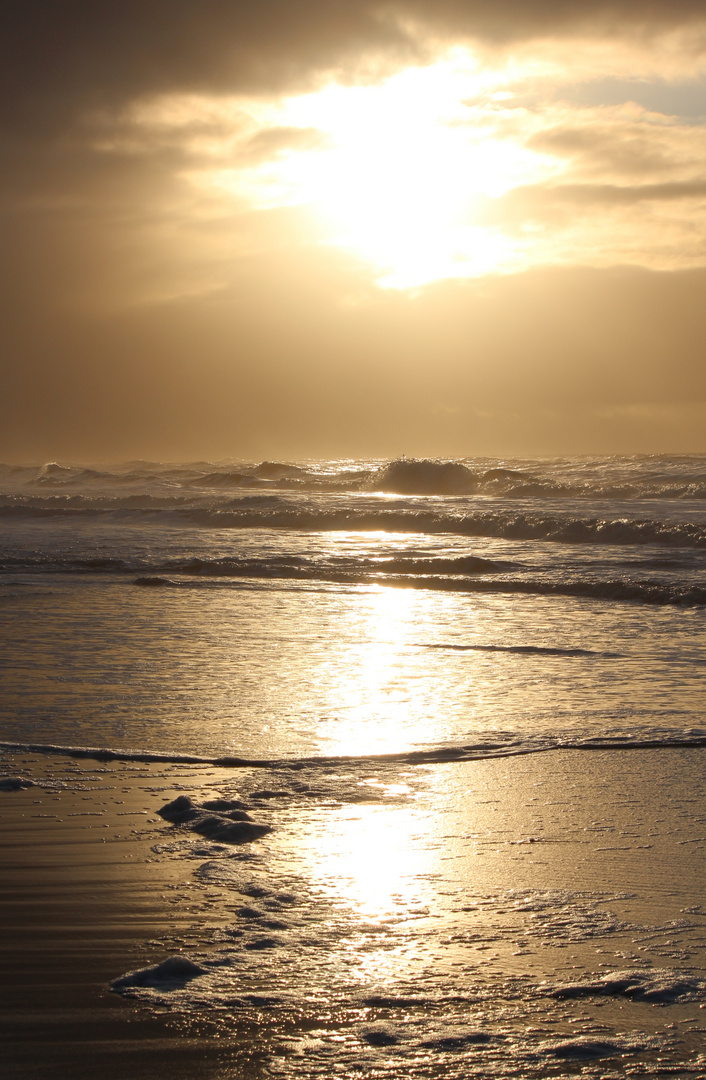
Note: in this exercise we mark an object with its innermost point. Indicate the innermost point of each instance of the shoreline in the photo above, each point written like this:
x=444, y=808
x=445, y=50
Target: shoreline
x=420, y=756
x=87, y=899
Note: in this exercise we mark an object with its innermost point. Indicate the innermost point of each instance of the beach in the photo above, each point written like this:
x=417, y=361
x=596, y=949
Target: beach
x=454, y=919
x=353, y=540
x=353, y=768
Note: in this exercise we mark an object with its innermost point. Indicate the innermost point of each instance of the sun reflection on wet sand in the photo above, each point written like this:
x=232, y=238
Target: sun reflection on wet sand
x=378, y=862
x=491, y=870
x=374, y=855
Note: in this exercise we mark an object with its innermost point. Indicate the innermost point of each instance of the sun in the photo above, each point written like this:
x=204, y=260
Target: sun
x=398, y=170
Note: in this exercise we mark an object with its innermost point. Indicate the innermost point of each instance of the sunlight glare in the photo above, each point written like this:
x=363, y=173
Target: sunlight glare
x=375, y=862
x=371, y=688
x=399, y=169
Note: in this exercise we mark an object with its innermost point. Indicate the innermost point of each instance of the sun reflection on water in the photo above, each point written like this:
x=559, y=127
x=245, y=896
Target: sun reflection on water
x=373, y=694
x=378, y=858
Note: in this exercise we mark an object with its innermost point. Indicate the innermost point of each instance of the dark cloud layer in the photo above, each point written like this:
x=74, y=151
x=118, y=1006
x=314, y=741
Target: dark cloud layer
x=57, y=56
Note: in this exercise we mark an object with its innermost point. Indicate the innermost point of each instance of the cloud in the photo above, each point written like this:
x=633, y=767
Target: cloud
x=597, y=195
x=573, y=183
x=57, y=58
x=624, y=140
x=155, y=307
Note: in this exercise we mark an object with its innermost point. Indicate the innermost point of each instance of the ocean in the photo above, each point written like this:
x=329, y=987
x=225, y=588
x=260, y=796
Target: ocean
x=467, y=699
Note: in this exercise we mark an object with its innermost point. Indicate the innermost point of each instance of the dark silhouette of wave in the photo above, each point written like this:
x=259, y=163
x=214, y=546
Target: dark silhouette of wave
x=611, y=479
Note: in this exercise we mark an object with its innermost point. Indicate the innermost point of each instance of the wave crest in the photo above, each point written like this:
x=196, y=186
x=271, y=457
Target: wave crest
x=422, y=476
x=611, y=479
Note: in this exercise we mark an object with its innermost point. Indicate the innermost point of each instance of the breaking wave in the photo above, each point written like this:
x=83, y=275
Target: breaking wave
x=409, y=476
x=654, y=477
x=460, y=574
x=277, y=512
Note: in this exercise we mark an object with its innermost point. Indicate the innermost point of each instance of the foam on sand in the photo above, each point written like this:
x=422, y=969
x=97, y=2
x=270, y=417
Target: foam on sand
x=658, y=986
x=231, y=824
x=173, y=973
x=15, y=783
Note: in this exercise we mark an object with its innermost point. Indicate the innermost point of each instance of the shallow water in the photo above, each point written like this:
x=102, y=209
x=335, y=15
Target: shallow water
x=311, y=609
x=285, y=669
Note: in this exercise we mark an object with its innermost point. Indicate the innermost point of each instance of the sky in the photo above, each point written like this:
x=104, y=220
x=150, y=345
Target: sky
x=304, y=228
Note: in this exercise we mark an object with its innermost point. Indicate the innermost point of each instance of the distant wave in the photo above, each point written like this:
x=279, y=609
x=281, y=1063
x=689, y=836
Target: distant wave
x=358, y=568
x=220, y=480
x=275, y=566
x=607, y=479
x=645, y=592
x=277, y=470
x=409, y=476
x=413, y=476
x=475, y=751
x=509, y=525
x=52, y=473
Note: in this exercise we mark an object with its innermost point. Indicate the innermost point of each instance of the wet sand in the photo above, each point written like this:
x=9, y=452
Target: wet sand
x=85, y=899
